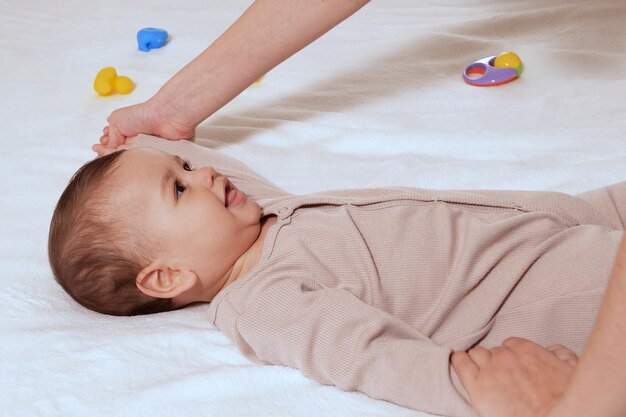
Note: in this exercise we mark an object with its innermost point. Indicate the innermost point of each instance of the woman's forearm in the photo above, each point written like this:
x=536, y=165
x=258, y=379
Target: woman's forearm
x=598, y=386
x=266, y=34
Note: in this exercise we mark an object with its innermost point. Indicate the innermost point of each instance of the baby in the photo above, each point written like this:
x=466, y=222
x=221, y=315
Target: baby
x=368, y=290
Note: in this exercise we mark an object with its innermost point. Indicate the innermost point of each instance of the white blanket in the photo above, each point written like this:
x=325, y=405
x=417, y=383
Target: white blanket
x=377, y=101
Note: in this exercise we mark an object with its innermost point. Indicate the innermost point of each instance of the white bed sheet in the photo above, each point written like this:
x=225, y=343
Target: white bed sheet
x=377, y=101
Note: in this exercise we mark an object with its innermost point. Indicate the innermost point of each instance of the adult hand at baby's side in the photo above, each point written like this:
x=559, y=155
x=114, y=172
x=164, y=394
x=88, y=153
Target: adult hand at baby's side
x=102, y=150
x=148, y=118
x=517, y=379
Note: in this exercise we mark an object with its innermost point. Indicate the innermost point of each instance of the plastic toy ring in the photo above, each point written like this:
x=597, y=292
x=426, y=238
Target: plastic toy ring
x=493, y=70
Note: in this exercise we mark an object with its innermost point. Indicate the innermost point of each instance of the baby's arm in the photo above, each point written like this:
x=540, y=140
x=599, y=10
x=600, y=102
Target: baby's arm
x=502, y=383
x=336, y=339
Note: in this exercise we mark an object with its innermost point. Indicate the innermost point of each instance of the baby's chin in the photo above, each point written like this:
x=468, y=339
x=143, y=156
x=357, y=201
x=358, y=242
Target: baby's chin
x=258, y=207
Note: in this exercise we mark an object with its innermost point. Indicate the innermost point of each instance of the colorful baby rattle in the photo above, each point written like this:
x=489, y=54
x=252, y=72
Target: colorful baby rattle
x=494, y=70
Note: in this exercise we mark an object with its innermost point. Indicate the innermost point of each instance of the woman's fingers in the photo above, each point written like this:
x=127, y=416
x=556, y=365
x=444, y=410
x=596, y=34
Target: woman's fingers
x=565, y=354
x=529, y=349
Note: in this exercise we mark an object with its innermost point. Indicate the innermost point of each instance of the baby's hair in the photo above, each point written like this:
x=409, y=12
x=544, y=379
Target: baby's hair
x=94, y=255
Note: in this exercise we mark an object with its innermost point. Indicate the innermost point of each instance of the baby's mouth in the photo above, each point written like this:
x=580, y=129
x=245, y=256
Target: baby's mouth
x=229, y=194
x=232, y=196
x=227, y=190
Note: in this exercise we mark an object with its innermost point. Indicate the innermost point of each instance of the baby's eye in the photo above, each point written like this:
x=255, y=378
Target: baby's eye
x=187, y=167
x=179, y=189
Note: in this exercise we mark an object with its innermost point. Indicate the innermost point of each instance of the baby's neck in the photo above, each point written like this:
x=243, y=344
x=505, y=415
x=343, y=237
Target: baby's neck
x=253, y=255
x=244, y=263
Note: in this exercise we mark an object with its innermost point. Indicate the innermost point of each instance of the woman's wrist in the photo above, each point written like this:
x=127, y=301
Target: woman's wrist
x=169, y=121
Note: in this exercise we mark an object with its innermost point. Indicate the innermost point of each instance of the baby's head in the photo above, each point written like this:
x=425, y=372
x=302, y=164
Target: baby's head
x=140, y=231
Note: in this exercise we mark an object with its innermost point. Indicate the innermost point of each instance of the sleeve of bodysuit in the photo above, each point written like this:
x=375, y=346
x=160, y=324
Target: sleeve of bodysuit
x=336, y=339
x=248, y=181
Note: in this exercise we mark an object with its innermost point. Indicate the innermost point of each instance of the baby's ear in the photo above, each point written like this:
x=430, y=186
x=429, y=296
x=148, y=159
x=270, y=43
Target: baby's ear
x=162, y=281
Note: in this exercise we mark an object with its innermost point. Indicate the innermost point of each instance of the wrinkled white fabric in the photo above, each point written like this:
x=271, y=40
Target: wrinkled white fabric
x=378, y=101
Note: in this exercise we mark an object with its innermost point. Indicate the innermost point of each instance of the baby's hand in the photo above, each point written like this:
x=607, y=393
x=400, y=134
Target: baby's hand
x=517, y=379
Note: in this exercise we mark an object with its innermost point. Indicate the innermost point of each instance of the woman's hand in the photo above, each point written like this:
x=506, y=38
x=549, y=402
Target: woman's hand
x=517, y=379
x=266, y=34
x=102, y=150
x=142, y=118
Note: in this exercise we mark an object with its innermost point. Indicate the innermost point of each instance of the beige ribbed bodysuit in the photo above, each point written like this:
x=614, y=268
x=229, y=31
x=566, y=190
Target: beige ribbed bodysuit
x=373, y=289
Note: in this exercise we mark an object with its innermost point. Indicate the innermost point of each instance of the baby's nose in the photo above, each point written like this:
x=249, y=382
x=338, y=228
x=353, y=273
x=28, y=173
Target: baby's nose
x=208, y=175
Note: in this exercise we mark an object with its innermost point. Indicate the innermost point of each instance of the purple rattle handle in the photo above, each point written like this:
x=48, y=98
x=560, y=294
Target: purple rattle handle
x=489, y=75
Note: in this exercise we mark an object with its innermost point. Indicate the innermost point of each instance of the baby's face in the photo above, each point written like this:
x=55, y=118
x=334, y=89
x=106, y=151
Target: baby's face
x=196, y=217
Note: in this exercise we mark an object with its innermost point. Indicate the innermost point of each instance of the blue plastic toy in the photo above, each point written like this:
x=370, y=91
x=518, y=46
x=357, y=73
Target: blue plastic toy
x=151, y=38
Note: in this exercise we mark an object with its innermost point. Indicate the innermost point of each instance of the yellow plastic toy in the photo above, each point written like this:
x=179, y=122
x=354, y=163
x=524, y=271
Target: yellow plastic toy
x=103, y=84
x=123, y=84
x=107, y=81
x=508, y=60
